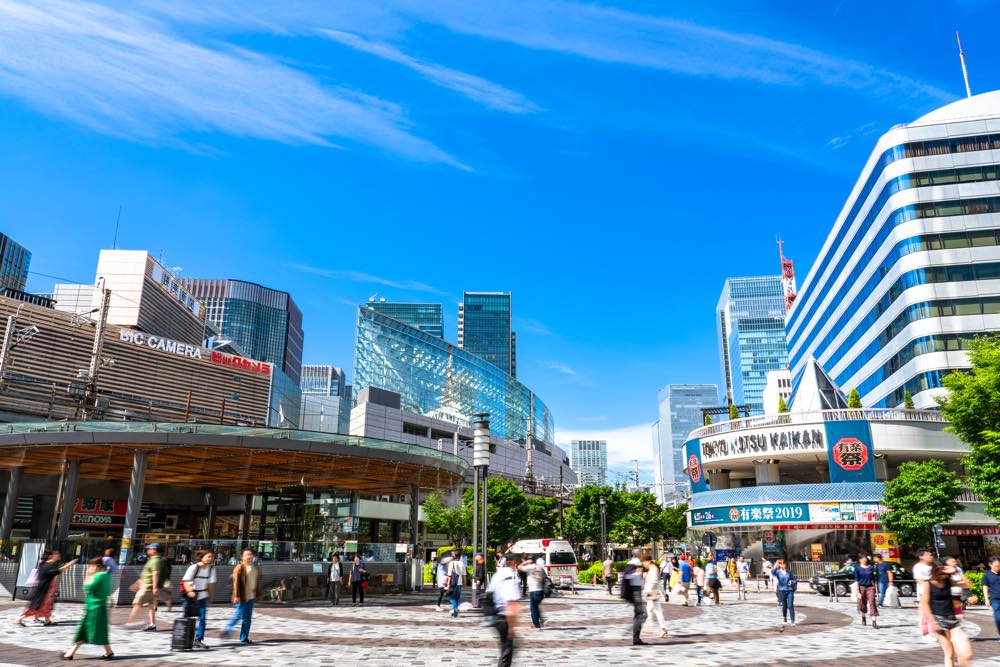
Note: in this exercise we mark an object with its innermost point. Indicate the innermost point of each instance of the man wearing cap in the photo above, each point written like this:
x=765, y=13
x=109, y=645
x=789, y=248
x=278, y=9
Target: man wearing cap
x=148, y=586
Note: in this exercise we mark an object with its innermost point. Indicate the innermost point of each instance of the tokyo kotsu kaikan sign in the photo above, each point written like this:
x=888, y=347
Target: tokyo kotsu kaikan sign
x=763, y=442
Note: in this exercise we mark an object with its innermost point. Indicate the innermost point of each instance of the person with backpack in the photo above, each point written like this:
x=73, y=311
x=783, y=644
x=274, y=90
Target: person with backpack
x=441, y=579
x=198, y=585
x=501, y=608
x=785, y=585
x=456, y=577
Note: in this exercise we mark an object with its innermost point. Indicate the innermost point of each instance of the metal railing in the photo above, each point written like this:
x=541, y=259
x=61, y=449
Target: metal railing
x=814, y=416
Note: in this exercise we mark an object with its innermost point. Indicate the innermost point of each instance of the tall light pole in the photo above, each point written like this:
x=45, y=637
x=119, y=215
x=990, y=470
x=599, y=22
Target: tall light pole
x=604, y=527
x=481, y=465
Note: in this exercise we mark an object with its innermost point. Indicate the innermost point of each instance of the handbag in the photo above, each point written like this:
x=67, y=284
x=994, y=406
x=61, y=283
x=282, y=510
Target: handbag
x=32, y=579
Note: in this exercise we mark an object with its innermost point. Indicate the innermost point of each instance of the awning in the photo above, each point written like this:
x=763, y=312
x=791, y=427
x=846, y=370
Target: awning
x=961, y=532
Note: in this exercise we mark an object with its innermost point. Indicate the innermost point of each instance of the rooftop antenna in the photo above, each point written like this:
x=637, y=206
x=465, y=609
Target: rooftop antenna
x=965, y=72
x=787, y=276
x=114, y=243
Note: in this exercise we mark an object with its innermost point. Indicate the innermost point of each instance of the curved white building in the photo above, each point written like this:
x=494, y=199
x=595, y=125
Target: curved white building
x=911, y=269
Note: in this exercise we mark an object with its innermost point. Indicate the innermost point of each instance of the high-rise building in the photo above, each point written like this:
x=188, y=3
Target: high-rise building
x=589, y=459
x=911, y=269
x=680, y=408
x=484, y=329
x=14, y=261
x=424, y=316
x=265, y=323
x=750, y=320
x=145, y=296
x=326, y=399
x=778, y=388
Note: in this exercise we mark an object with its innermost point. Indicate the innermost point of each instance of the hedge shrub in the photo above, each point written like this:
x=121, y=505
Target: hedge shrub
x=976, y=579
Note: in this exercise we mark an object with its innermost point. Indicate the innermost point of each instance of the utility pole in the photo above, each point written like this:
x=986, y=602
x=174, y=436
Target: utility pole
x=635, y=463
x=96, y=362
x=481, y=465
x=560, y=500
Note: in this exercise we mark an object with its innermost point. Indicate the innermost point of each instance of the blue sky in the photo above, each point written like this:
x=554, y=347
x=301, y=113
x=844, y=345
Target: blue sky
x=608, y=163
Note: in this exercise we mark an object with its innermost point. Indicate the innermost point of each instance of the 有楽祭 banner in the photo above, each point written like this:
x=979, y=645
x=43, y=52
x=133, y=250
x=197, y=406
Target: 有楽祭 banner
x=849, y=451
x=696, y=473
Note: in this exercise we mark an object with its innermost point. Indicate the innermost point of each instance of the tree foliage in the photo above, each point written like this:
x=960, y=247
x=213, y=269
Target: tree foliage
x=450, y=521
x=907, y=400
x=582, y=519
x=642, y=521
x=543, y=517
x=507, y=510
x=922, y=495
x=708, y=419
x=675, y=523
x=782, y=405
x=973, y=408
x=734, y=412
x=854, y=399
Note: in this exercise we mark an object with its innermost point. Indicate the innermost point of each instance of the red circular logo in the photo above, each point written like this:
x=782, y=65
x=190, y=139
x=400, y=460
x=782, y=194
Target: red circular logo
x=734, y=515
x=850, y=454
x=878, y=539
x=694, y=469
x=768, y=536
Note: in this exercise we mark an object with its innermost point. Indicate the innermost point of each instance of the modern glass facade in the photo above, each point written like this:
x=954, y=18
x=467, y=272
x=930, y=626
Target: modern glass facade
x=907, y=274
x=680, y=408
x=589, y=459
x=438, y=379
x=750, y=321
x=265, y=323
x=326, y=399
x=14, y=261
x=424, y=316
x=484, y=329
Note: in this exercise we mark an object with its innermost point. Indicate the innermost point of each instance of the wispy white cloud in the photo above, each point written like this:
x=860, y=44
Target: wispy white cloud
x=532, y=326
x=616, y=36
x=625, y=443
x=474, y=87
x=570, y=373
x=127, y=74
x=865, y=130
x=371, y=279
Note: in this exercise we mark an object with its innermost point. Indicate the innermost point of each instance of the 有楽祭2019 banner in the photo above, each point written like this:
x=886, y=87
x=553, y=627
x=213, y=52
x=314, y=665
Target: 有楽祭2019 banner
x=849, y=451
x=696, y=472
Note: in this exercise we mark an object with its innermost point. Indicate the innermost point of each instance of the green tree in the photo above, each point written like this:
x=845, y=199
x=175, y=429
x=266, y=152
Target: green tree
x=708, y=419
x=582, y=520
x=450, y=521
x=642, y=521
x=854, y=399
x=922, y=495
x=675, y=523
x=907, y=400
x=972, y=406
x=543, y=517
x=734, y=412
x=782, y=405
x=507, y=511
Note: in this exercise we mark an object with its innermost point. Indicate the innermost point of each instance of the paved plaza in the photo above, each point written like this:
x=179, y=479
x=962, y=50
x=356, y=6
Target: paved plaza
x=593, y=627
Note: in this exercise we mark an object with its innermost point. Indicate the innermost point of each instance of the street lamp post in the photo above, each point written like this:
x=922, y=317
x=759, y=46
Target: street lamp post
x=604, y=527
x=481, y=465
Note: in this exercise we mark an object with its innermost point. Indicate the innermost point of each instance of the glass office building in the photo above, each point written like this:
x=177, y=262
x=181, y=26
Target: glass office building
x=911, y=269
x=438, y=379
x=326, y=399
x=484, y=329
x=680, y=408
x=14, y=261
x=750, y=321
x=589, y=459
x=265, y=323
x=424, y=316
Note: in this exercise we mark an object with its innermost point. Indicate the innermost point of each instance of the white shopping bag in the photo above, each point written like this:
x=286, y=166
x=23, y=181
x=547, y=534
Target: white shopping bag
x=892, y=597
x=855, y=591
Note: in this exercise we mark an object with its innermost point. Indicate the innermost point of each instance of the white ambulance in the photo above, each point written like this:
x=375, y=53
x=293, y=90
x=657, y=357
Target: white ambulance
x=560, y=559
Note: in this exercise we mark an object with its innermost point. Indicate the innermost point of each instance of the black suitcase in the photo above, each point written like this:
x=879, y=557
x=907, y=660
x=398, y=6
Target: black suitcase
x=182, y=635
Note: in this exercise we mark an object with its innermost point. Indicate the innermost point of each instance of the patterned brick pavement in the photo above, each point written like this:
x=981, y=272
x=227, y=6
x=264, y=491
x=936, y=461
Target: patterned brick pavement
x=593, y=626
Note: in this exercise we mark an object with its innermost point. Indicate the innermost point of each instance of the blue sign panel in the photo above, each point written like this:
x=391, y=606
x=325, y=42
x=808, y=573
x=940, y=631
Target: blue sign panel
x=696, y=473
x=770, y=513
x=849, y=451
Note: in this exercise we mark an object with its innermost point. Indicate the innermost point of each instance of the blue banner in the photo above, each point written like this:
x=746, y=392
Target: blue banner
x=849, y=451
x=692, y=462
x=767, y=513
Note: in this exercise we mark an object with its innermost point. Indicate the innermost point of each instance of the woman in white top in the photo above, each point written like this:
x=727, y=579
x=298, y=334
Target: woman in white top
x=653, y=594
x=699, y=580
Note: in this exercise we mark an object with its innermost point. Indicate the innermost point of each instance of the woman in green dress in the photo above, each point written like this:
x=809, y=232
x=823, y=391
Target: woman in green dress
x=93, y=628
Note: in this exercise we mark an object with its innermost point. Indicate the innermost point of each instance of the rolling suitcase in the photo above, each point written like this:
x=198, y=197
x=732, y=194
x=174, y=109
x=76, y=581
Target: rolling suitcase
x=182, y=635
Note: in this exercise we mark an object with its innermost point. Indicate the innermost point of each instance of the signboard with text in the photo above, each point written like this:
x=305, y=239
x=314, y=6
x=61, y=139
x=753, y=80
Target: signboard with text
x=764, y=442
x=99, y=513
x=750, y=514
x=849, y=455
x=695, y=470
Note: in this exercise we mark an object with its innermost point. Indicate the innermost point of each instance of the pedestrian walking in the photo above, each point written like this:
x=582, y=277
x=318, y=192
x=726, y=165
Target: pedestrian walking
x=785, y=585
x=198, y=585
x=883, y=579
x=165, y=594
x=991, y=589
x=632, y=582
x=93, y=627
x=652, y=593
x=698, y=573
x=110, y=564
x=147, y=588
x=959, y=586
x=43, y=598
x=712, y=582
x=535, y=571
x=742, y=577
x=505, y=589
x=666, y=568
x=865, y=577
x=765, y=570
x=937, y=616
x=608, y=572
x=731, y=571
x=922, y=569
x=336, y=577
x=479, y=575
x=359, y=580
x=247, y=583
x=456, y=577
x=686, y=576
x=441, y=577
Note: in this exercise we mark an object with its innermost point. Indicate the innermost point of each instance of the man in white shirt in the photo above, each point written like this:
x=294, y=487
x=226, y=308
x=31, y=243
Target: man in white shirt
x=535, y=571
x=742, y=576
x=922, y=569
x=199, y=585
x=506, y=591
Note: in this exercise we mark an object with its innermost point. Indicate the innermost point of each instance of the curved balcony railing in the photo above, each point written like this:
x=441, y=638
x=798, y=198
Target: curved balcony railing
x=814, y=416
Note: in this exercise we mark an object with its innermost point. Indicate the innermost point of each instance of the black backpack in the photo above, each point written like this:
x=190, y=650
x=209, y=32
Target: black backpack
x=626, y=592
